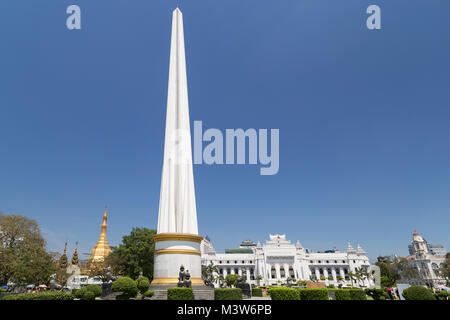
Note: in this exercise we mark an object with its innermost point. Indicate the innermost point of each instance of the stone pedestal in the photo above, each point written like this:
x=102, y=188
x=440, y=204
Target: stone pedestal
x=200, y=292
x=246, y=290
x=173, y=250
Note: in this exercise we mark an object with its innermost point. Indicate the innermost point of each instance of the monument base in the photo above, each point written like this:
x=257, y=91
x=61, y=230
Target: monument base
x=173, y=250
x=201, y=292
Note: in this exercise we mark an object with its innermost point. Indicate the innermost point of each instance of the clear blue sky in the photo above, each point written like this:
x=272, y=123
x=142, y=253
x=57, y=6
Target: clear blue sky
x=363, y=118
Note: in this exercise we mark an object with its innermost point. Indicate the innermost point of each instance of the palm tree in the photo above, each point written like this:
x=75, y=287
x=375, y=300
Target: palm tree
x=258, y=278
x=208, y=272
x=352, y=277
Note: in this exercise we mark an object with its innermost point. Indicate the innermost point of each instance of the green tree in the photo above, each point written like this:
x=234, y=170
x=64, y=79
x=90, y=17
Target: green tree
x=208, y=273
x=445, y=269
x=258, y=279
x=136, y=253
x=388, y=272
x=231, y=280
x=23, y=257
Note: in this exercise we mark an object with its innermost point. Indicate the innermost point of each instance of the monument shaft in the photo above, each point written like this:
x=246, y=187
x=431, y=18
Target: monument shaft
x=177, y=241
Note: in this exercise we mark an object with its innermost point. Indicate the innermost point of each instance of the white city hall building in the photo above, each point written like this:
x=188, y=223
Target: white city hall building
x=279, y=259
x=426, y=262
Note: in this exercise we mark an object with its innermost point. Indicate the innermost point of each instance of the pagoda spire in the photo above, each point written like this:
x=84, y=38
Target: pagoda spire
x=101, y=249
x=74, y=260
x=63, y=259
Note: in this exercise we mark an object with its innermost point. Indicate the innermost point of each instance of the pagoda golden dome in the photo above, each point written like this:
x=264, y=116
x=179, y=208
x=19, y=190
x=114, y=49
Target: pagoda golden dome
x=101, y=249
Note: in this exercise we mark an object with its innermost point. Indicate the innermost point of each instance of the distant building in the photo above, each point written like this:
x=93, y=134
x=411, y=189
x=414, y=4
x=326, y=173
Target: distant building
x=434, y=249
x=425, y=260
x=78, y=268
x=278, y=259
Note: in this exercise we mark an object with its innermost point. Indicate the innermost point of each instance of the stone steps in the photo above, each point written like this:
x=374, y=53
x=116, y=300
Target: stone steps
x=200, y=293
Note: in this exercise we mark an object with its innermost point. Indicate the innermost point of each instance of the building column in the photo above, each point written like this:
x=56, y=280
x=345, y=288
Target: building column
x=317, y=273
x=342, y=273
x=225, y=273
x=240, y=271
x=333, y=273
x=247, y=269
x=277, y=269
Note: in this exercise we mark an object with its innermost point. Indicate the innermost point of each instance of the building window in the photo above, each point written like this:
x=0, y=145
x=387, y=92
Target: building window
x=243, y=261
x=343, y=261
x=235, y=262
x=228, y=261
x=291, y=272
x=310, y=261
x=335, y=261
x=251, y=261
x=220, y=262
x=319, y=261
x=328, y=261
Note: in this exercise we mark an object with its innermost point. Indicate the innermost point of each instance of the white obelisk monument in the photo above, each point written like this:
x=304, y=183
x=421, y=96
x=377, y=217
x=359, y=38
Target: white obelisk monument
x=177, y=241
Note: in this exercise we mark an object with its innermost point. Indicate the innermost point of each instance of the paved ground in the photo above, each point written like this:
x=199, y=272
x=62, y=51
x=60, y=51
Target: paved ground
x=259, y=298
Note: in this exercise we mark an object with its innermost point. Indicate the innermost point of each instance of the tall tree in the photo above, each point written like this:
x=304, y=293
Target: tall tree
x=136, y=253
x=23, y=257
x=445, y=269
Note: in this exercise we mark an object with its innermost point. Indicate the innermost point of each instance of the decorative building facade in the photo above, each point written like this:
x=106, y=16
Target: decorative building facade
x=426, y=262
x=278, y=259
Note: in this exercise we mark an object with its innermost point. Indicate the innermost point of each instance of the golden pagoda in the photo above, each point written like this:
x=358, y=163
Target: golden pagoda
x=101, y=249
x=74, y=261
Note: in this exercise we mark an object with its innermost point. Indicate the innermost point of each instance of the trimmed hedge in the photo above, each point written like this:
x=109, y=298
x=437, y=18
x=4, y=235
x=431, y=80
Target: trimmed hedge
x=418, y=293
x=313, y=294
x=149, y=293
x=342, y=294
x=357, y=294
x=283, y=293
x=125, y=285
x=257, y=292
x=40, y=296
x=228, y=294
x=142, y=283
x=96, y=289
x=377, y=294
x=180, y=294
x=90, y=292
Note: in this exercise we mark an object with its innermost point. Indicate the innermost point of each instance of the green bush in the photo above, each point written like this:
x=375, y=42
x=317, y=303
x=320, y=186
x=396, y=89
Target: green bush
x=283, y=293
x=180, y=294
x=342, y=295
x=377, y=294
x=87, y=294
x=442, y=295
x=149, y=293
x=76, y=293
x=418, y=293
x=40, y=296
x=142, y=284
x=97, y=290
x=257, y=292
x=125, y=285
x=228, y=294
x=313, y=294
x=357, y=294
